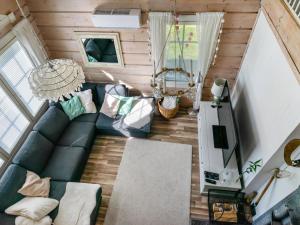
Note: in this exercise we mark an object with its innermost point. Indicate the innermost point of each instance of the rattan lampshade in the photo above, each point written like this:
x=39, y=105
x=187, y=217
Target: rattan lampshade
x=55, y=79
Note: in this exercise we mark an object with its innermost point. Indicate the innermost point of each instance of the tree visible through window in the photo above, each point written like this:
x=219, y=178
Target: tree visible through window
x=186, y=45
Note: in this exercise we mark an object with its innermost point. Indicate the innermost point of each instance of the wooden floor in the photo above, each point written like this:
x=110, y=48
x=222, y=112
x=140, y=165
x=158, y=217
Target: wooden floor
x=106, y=155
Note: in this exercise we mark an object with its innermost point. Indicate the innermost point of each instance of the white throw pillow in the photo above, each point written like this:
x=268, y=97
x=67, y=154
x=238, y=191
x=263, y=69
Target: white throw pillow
x=86, y=99
x=110, y=106
x=20, y=220
x=140, y=113
x=33, y=207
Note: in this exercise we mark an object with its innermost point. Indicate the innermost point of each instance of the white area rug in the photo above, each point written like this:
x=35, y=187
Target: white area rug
x=153, y=185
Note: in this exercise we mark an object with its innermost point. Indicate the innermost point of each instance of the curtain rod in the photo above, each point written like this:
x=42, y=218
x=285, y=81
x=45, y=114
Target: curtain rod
x=185, y=13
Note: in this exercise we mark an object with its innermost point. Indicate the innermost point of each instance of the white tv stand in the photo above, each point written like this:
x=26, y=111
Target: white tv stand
x=210, y=158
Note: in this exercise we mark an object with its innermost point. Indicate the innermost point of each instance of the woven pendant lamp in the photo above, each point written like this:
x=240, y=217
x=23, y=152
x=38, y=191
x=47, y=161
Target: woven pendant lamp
x=56, y=79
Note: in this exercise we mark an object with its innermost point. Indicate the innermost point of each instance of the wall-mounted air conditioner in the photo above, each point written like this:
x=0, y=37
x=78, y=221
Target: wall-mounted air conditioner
x=117, y=18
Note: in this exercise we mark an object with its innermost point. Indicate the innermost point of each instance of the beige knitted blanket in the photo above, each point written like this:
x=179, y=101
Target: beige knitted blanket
x=77, y=204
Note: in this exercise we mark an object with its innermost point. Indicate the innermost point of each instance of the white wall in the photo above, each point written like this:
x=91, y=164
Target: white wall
x=282, y=187
x=266, y=101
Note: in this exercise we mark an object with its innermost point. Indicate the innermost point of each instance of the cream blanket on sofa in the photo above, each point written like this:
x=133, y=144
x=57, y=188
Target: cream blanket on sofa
x=77, y=204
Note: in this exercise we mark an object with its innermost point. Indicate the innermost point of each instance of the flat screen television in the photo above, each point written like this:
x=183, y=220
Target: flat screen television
x=225, y=133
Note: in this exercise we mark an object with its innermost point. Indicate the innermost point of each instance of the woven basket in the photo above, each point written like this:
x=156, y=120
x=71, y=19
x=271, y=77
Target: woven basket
x=167, y=113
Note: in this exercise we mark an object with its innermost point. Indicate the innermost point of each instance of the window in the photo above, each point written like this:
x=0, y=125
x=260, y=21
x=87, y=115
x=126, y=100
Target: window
x=187, y=37
x=12, y=122
x=19, y=109
x=188, y=47
x=184, y=49
x=14, y=66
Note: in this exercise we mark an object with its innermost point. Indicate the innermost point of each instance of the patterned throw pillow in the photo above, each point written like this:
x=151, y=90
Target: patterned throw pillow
x=73, y=107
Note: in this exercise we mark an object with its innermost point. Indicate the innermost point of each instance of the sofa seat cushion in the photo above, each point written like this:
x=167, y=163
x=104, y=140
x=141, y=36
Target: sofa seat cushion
x=52, y=124
x=134, y=132
x=66, y=164
x=11, y=181
x=89, y=117
x=78, y=134
x=34, y=153
x=109, y=126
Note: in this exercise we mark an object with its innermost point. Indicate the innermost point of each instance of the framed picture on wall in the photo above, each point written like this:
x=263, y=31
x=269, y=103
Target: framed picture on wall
x=100, y=49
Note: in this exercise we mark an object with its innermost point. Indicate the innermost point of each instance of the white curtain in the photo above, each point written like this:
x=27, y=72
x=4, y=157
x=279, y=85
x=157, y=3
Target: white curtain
x=208, y=28
x=158, y=34
x=29, y=40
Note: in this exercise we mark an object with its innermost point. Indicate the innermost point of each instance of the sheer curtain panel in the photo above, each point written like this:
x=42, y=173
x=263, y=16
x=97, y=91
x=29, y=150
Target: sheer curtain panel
x=158, y=22
x=28, y=38
x=208, y=29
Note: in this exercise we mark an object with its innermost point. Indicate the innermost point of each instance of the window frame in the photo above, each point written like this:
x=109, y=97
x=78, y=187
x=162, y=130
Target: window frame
x=291, y=10
x=5, y=42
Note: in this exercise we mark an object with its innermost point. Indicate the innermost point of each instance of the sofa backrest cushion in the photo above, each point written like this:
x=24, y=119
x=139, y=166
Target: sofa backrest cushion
x=112, y=89
x=52, y=124
x=12, y=180
x=34, y=153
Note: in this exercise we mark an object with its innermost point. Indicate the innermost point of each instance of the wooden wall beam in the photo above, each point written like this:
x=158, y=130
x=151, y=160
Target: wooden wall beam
x=154, y=5
x=83, y=19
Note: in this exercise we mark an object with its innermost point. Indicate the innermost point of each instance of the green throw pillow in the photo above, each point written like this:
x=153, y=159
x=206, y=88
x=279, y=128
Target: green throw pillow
x=125, y=104
x=73, y=107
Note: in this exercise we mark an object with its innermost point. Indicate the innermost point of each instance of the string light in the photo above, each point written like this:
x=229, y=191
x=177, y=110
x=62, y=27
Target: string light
x=218, y=41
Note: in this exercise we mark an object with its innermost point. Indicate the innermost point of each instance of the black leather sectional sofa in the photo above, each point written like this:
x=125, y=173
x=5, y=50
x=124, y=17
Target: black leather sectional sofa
x=59, y=148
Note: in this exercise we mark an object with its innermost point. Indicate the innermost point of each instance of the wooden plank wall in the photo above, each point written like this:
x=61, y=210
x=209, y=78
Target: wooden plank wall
x=57, y=20
x=287, y=28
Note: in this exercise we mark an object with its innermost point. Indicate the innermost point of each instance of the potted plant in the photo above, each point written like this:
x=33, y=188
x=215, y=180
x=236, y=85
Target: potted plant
x=252, y=168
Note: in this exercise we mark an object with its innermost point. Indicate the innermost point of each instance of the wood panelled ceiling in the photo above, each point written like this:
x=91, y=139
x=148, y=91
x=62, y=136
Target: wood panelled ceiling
x=58, y=19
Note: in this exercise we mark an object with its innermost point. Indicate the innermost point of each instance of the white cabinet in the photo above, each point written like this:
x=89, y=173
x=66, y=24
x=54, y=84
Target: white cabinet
x=210, y=158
